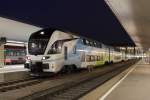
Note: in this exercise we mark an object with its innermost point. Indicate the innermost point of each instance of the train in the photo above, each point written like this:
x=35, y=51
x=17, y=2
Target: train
x=54, y=50
x=14, y=53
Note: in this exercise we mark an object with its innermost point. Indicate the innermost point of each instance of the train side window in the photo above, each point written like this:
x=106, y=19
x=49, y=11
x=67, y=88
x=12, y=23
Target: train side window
x=18, y=53
x=84, y=41
x=7, y=52
x=83, y=57
x=100, y=45
x=96, y=58
x=95, y=45
x=15, y=53
x=101, y=58
x=91, y=43
x=88, y=42
x=88, y=58
x=92, y=58
x=11, y=53
x=74, y=50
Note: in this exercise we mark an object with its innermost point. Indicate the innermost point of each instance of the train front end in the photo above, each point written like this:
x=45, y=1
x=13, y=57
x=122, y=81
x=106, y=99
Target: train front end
x=37, y=45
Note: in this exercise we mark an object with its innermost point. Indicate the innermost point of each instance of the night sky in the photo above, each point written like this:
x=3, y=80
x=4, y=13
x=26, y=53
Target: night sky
x=91, y=18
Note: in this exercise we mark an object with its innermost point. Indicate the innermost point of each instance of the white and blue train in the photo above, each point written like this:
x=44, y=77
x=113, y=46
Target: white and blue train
x=52, y=50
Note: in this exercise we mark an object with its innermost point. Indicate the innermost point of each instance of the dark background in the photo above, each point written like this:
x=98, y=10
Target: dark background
x=91, y=18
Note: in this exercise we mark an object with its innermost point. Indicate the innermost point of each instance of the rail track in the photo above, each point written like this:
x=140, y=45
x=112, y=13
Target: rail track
x=8, y=86
x=76, y=89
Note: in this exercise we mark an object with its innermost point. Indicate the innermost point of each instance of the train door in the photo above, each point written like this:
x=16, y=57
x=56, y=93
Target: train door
x=65, y=53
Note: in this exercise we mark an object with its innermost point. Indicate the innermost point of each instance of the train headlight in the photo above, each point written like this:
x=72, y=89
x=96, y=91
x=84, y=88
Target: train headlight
x=28, y=58
x=44, y=58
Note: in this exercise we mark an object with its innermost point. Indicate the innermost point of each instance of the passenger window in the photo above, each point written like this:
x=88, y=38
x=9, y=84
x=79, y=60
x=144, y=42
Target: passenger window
x=100, y=45
x=84, y=41
x=96, y=58
x=92, y=58
x=95, y=44
x=88, y=58
x=91, y=43
x=82, y=57
x=87, y=42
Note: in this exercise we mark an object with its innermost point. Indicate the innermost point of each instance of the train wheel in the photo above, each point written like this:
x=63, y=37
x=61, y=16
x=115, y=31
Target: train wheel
x=65, y=69
x=111, y=62
x=74, y=68
x=68, y=69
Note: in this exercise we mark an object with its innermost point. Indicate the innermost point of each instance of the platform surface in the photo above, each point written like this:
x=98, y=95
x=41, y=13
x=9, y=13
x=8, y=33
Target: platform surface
x=135, y=86
x=12, y=68
x=13, y=72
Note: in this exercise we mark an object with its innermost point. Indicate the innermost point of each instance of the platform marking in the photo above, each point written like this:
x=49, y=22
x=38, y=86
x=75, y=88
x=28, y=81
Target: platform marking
x=117, y=84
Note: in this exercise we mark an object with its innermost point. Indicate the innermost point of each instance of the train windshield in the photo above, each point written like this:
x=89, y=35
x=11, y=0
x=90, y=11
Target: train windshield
x=38, y=42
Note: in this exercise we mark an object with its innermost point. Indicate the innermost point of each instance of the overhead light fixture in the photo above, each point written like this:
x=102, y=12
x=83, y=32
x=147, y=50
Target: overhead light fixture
x=42, y=33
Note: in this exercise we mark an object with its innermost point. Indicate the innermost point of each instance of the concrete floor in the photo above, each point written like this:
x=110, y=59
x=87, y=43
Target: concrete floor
x=13, y=72
x=136, y=86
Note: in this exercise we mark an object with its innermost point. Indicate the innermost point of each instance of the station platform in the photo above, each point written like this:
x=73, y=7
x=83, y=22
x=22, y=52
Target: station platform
x=135, y=85
x=13, y=72
x=12, y=68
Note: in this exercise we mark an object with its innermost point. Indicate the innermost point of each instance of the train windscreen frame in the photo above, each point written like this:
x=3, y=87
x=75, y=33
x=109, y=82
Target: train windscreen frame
x=38, y=41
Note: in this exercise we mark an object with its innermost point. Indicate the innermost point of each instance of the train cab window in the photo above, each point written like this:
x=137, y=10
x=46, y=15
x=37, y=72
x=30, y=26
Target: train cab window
x=56, y=48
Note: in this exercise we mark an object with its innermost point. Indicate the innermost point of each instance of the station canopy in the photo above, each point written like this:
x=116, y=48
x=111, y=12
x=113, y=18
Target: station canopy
x=14, y=30
x=134, y=15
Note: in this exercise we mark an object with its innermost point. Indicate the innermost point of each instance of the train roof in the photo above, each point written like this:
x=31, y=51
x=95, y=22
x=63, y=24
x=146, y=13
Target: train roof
x=69, y=32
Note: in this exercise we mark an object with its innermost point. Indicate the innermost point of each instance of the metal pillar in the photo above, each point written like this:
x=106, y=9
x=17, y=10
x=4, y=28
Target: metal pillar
x=1, y=56
x=2, y=52
x=109, y=54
